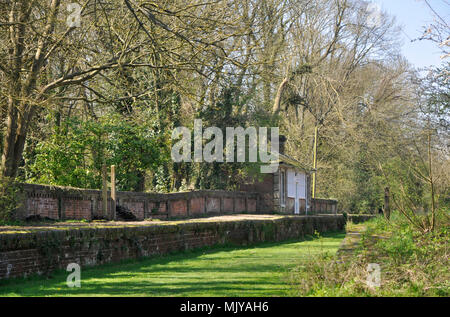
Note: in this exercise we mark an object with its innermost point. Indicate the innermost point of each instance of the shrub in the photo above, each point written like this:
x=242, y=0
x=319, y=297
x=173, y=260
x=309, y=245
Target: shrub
x=9, y=191
x=412, y=263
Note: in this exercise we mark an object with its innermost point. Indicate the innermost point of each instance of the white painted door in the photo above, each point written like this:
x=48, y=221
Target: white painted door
x=297, y=202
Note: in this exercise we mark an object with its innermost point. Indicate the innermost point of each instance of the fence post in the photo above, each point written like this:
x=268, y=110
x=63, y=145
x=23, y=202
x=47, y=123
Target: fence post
x=387, y=209
x=104, y=192
x=113, y=191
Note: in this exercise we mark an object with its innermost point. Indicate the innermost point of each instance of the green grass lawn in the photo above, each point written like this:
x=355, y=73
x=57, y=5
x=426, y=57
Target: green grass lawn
x=261, y=270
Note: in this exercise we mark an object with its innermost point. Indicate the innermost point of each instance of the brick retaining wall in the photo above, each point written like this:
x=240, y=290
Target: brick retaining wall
x=359, y=218
x=62, y=203
x=323, y=206
x=23, y=254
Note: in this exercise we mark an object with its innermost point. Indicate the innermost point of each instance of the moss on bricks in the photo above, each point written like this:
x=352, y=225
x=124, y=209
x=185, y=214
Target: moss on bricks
x=108, y=243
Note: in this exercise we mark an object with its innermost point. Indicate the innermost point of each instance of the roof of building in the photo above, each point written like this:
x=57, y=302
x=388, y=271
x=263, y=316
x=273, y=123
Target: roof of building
x=287, y=160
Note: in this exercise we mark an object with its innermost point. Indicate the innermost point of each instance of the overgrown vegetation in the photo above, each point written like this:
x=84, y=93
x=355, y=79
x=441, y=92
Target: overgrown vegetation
x=77, y=149
x=9, y=199
x=412, y=263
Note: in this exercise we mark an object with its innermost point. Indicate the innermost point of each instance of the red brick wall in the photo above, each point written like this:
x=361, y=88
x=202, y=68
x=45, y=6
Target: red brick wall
x=251, y=205
x=99, y=209
x=323, y=206
x=213, y=204
x=239, y=205
x=159, y=207
x=197, y=206
x=302, y=206
x=265, y=190
x=85, y=204
x=43, y=206
x=228, y=205
x=178, y=208
x=24, y=254
x=290, y=205
x=136, y=207
x=77, y=203
x=77, y=209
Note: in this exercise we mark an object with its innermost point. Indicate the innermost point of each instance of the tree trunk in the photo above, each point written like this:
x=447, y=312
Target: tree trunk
x=113, y=191
x=387, y=208
x=277, y=103
x=314, y=175
x=104, y=191
x=18, y=120
x=10, y=140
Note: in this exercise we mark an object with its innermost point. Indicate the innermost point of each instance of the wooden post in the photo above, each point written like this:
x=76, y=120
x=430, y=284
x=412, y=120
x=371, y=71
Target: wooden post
x=387, y=209
x=314, y=163
x=104, y=192
x=113, y=190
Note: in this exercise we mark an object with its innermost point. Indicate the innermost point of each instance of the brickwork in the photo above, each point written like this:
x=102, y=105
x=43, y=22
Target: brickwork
x=46, y=207
x=157, y=207
x=239, y=205
x=73, y=203
x=323, y=206
x=197, y=206
x=24, y=254
x=178, y=208
x=77, y=209
x=265, y=190
x=136, y=207
x=212, y=205
x=251, y=205
x=228, y=205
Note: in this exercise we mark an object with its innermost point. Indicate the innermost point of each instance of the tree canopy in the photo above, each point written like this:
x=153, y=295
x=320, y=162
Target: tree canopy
x=111, y=89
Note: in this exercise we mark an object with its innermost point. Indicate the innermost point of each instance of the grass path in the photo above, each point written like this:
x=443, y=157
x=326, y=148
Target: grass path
x=260, y=270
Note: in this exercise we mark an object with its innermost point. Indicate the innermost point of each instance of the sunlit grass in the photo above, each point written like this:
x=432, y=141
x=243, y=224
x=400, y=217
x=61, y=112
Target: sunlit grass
x=252, y=271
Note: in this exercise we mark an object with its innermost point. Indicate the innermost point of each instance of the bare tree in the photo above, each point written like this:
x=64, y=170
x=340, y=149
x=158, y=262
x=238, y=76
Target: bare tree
x=114, y=35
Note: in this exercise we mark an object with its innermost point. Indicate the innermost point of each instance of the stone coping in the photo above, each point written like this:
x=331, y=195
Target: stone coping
x=74, y=225
x=56, y=191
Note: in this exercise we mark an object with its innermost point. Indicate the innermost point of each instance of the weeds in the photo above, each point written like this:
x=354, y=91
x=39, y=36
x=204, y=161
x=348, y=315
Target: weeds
x=412, y=263
x=9, y=191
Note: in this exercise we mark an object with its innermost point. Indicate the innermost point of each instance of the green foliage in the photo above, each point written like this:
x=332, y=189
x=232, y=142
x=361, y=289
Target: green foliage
x=9, y=191
x=400, y=247
x=418, y=191
x=75, y=153
x=435, y=95
x=412, y=263
x=231, y=110
x=404, y=182
x=161, y=179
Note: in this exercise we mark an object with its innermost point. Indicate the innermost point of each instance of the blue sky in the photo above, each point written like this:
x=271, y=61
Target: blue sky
x=413, y=15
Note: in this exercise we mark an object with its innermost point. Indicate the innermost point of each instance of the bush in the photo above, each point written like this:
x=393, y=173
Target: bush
x=9, y=190
x=412, y=263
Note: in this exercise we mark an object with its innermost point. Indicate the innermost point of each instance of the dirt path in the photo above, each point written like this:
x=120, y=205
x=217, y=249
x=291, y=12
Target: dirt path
x=351, y=242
